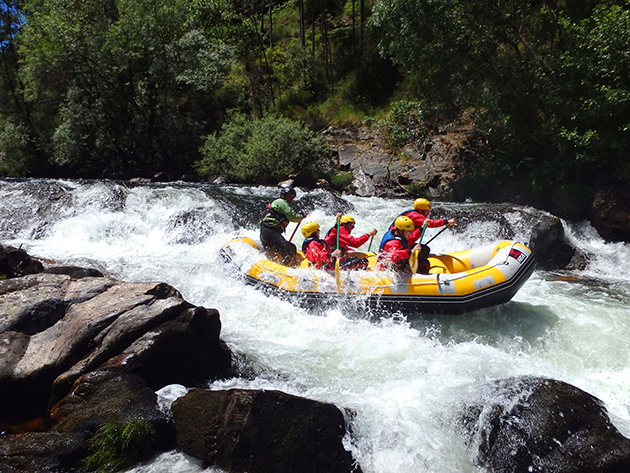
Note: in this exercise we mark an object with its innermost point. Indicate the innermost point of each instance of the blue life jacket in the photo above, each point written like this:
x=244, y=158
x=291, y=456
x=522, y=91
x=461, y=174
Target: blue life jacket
x=388, y=234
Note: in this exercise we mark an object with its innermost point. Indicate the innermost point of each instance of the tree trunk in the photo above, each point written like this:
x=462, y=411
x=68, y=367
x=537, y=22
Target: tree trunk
x=301, y=14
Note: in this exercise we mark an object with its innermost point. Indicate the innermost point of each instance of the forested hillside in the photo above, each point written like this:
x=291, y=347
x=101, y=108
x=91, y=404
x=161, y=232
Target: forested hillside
x=107, y=88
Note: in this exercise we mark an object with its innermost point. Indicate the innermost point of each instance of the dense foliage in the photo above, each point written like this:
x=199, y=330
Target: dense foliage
x=263, y=150
x=550, y=79
x=108, y=87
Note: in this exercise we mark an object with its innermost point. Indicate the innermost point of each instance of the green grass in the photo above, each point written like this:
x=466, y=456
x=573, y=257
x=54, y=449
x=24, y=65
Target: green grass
x=117, y=446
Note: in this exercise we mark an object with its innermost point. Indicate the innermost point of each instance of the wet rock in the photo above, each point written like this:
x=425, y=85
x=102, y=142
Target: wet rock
x=16, y=262
x=101, y=397
x=186, y=350
x=192, y=226
x=331, y=202
x=610, y=213
x=262, y=432
x=548, y=244
x=530, y=424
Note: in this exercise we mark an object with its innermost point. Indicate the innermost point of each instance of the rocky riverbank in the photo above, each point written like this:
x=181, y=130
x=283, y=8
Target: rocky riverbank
x=434, y=169
x=83, y=355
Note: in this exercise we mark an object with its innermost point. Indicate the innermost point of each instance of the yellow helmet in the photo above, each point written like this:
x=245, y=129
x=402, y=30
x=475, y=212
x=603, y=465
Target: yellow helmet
x=346, y=219
x=309, y=228
x=403, y=223
x=421, y=204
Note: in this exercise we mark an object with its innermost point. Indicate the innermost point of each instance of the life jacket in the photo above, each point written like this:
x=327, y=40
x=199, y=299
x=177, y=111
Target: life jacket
x=308, y=241
x=388, y=234
x=270, y=214
x=393, y=236
x=402, y=264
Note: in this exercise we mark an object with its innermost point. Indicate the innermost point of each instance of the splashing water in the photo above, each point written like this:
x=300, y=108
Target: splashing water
x=403, y=379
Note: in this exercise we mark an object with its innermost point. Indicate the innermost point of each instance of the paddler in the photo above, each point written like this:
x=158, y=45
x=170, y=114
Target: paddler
x=317, y=250
x=275, y=219
x=397, y=247
x=346, y=223
x=418, y=215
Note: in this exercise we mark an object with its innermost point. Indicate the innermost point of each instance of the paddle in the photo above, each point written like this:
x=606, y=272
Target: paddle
x=370, y=245
x=338, y=260
x=413, y=257
x=413, y=261
x=295, y=230
x=438, y=233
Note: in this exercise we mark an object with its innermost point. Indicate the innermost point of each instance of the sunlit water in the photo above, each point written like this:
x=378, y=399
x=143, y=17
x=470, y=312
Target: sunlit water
x=403, y=379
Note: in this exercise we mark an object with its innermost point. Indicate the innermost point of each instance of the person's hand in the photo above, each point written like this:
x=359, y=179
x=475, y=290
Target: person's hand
x=417, y=247
x=372, y=232
x=303, y=214
x=452, y=221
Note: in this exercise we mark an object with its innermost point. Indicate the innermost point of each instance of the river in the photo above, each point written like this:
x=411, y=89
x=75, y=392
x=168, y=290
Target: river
x=404, y=379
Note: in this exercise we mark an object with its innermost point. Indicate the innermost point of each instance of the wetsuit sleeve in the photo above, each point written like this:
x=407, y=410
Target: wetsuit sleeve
x=440, y=222
x=282, y=206
x=345, y=239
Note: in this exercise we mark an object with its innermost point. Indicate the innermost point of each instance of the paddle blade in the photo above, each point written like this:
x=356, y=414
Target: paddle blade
x=337, y=274
x=413, y=261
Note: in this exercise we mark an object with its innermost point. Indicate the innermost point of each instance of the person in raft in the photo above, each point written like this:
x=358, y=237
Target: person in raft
x=317, y=250
x=275, y=219
x=347, y=241
x=397, y=246
x=418, y=215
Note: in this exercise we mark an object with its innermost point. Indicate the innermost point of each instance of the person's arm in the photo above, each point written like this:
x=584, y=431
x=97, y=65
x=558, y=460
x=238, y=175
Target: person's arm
x=346, y=239
x=289, y=212
x=440, y=222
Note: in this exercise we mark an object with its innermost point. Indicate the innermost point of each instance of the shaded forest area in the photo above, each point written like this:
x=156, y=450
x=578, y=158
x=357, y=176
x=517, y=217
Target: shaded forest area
x=111, y=88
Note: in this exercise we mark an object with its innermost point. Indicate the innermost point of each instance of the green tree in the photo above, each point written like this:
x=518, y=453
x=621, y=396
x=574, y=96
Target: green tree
x=127, y=83
x=549, y=81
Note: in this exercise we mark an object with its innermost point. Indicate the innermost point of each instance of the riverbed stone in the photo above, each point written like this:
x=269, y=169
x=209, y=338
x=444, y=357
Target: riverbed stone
x=262, y=432
x=532, y=424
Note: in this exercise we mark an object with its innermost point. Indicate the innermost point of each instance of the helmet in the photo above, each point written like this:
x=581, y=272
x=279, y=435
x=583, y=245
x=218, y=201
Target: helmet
x=309, y=228
x=403, y=223
x=286, y=191
x=346, y=219
x=421, y=204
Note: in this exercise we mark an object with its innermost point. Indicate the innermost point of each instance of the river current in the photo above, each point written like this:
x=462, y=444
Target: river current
x=403, y=378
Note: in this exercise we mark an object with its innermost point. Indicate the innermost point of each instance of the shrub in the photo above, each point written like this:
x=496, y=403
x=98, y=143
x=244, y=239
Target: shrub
x=263, y=150
x=339, y=180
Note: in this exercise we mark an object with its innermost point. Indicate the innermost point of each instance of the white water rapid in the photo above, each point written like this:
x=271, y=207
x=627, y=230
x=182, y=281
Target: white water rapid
x=404, y=379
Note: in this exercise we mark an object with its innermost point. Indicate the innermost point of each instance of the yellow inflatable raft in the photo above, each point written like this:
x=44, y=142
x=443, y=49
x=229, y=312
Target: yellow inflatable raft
x=457, y=282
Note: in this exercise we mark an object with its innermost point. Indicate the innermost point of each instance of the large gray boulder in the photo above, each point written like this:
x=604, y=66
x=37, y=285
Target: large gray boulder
x=262, y=432
x=531, y=424
x=55, y=329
